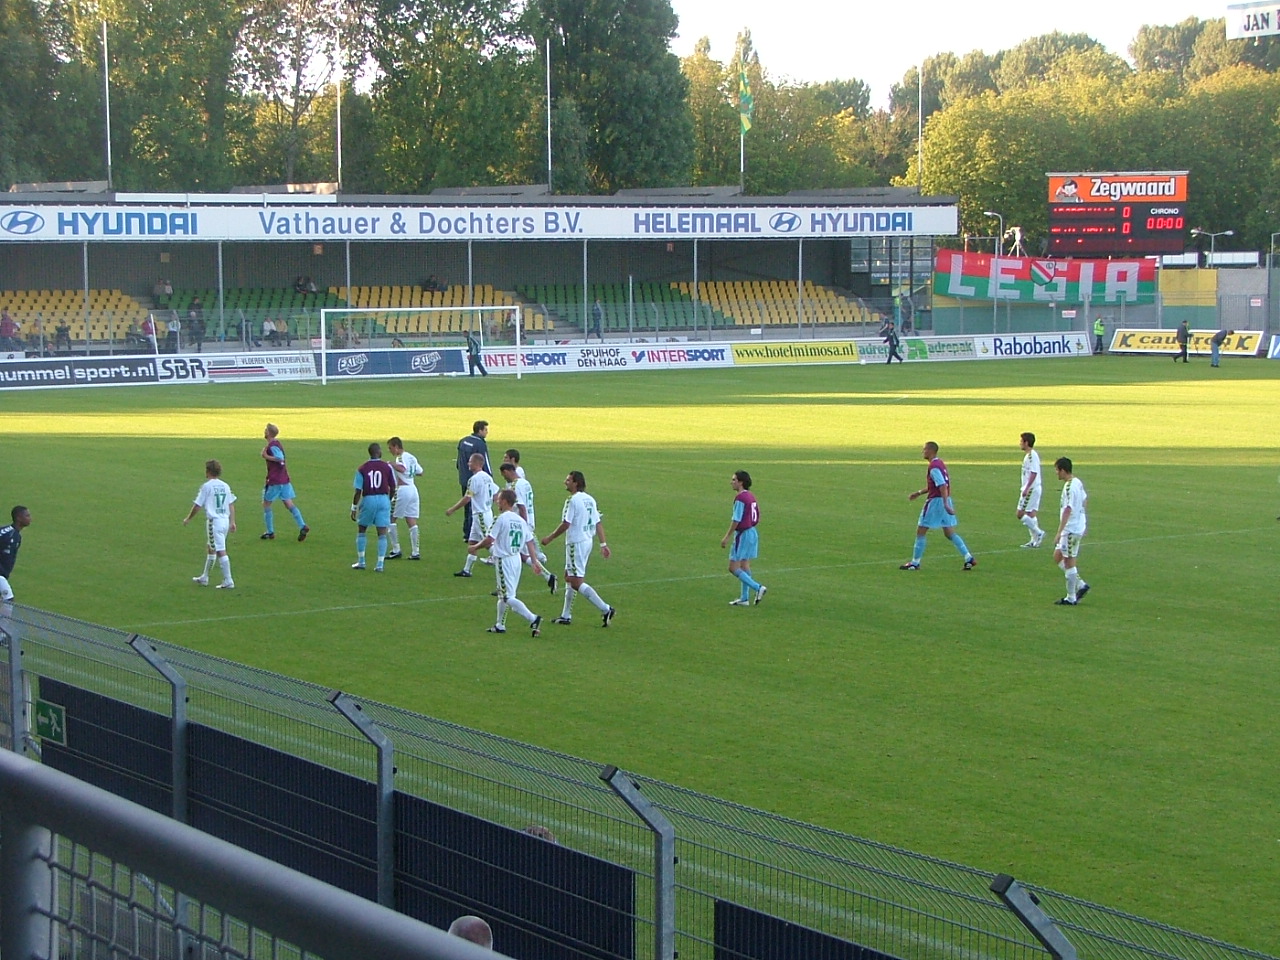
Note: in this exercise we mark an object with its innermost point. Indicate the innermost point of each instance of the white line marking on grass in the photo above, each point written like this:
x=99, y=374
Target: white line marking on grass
x=624, y=584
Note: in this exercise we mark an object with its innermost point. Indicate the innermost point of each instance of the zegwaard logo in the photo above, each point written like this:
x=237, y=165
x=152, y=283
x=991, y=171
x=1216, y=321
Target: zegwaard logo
x=22, y=222
x=353, y=364
x=785, y=222
x=425, y=362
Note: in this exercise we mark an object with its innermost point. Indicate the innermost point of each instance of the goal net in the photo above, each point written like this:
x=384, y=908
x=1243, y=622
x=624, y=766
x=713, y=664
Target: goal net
x=386, y=331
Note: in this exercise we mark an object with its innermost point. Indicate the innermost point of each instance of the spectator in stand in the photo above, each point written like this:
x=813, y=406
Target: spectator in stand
x=283, y=331
x=9, y=331
x=311, y=286
x=35, y=339
x=148, y=334
x=299, y=284
x=195, y=324
x=269, y=332
x=62, y=336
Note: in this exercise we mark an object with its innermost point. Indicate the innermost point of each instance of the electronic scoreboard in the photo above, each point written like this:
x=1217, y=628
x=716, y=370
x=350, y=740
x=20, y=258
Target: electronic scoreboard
x=1117, y=214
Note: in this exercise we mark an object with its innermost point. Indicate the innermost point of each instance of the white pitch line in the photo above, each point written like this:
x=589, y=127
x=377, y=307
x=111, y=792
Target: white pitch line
x=624, y=584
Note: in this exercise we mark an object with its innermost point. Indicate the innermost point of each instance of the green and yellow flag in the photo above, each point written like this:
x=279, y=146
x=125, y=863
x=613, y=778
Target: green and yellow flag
x=745, y=100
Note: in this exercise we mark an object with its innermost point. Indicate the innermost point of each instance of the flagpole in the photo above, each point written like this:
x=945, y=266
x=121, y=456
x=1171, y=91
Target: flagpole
x=549, y=188
x=337, y=102
x=742, y=160
x=106, y=102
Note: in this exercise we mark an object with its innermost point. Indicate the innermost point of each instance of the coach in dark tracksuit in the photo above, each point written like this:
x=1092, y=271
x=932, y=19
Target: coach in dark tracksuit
x=475, y=443
x=890, y=333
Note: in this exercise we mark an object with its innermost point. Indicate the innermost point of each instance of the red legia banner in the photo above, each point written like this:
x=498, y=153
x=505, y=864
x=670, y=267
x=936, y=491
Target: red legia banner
x=1030, y=280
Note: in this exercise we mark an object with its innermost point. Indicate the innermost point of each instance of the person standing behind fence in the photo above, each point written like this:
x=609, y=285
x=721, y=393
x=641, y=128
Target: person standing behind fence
x=219, y=505
x=1099, y=332
x=597, y=320
x=278, y=486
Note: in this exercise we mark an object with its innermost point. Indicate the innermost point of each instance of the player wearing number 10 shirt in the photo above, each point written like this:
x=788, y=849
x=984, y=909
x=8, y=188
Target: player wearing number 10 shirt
x=746, y=541
x=372, y=498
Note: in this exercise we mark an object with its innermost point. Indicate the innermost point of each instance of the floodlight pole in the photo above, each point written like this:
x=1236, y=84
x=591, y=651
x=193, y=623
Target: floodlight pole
x=1271, y=263
x=995, y=304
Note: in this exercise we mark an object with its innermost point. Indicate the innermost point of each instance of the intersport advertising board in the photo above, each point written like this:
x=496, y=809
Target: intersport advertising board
x=630, y=356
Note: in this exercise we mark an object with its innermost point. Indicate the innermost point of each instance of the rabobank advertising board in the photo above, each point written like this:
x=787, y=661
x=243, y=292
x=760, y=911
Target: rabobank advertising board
x=213, y=222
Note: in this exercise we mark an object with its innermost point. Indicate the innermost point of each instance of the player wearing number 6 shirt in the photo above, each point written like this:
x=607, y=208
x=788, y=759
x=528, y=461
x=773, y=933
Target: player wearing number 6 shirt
x=219, y=505
x=372, y=498
x=580, y=522
x=478, y=499
x=1071, y=531
x=746, y=541
x=407, y=504
x=511, y=544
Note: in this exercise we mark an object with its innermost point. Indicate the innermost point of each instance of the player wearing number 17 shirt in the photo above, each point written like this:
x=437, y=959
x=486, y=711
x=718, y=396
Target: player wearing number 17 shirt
x=372, y=498
x=746, y=541
x=219, y=505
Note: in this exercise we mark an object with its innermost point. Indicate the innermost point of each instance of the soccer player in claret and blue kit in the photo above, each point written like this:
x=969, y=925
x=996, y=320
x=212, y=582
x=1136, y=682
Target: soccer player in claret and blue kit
x=746, y=541
x=278, y=485
x=372, y=501
x=938, y=511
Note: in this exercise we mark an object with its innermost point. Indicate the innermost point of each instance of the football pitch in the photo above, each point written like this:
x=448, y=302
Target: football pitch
x=1123, y=751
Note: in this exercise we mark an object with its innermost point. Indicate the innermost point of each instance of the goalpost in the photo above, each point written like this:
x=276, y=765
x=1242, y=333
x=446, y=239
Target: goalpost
x=391, y=330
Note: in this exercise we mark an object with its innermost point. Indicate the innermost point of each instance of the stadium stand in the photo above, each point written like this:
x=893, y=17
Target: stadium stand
x=671, y=306
x=109, y=313
x=391, y=298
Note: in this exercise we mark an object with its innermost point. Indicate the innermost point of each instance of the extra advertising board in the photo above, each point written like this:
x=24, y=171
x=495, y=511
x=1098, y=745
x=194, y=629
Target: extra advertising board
x=349, y=364
x=1241, y=343
x=154, y=222
x=1118, y=214
x=1274, y=352
x=629, y=356
x=101, y=372
x=1038, y=280
x=240, y=367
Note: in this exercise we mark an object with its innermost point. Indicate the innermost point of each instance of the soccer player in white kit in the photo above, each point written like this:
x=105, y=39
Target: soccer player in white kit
x=523, y=490
x=510, y=541
x=480, y=493
x=1029, y=492
x=408, y=504
x=1071, y=530
x=219, y=505
x=580, y=521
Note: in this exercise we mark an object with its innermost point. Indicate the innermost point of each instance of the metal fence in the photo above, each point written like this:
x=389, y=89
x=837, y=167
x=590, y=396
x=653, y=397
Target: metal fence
x=86, y=875
x=701, y=864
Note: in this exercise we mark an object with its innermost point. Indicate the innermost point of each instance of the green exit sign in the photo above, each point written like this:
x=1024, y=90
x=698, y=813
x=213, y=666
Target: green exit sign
x=51, y=722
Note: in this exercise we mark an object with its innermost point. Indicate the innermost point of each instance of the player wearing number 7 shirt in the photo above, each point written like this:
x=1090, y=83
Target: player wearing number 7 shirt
x=746, y=541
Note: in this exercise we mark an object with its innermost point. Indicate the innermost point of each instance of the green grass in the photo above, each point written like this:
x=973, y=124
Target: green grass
x=1123, y=751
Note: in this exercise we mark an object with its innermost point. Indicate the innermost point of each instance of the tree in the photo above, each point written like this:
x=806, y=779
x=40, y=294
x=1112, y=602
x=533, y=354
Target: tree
x=1166, y=47
x=840, y=96
x=612, y=57
x=713, y=89
x=1214, y=52
x=453, y=89
x=1030, y=61
x=27, y=77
